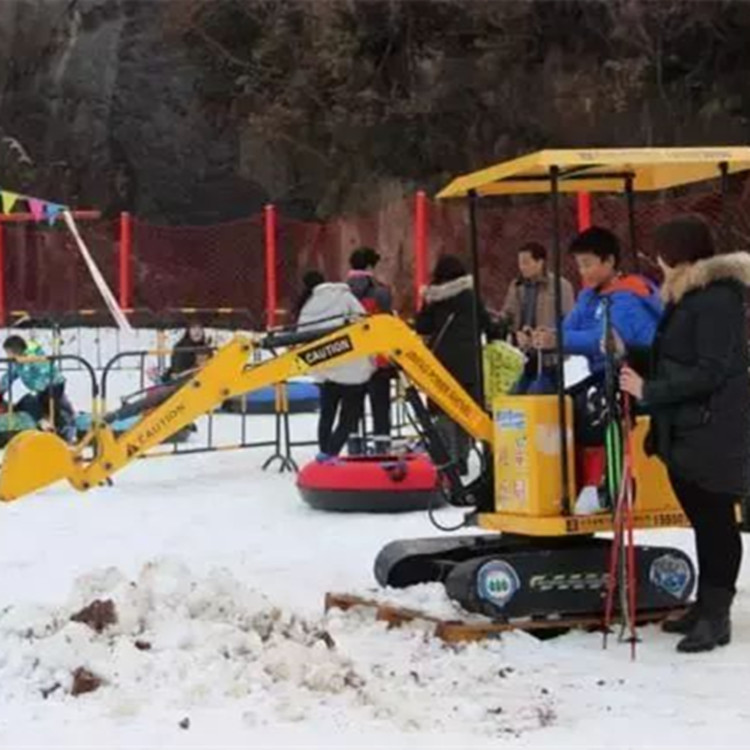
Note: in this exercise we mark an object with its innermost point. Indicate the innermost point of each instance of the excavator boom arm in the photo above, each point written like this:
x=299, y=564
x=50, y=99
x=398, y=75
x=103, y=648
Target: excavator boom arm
x=230, y=374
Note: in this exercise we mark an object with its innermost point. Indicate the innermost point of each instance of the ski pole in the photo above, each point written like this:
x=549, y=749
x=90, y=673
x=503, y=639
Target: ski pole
x=632, y=579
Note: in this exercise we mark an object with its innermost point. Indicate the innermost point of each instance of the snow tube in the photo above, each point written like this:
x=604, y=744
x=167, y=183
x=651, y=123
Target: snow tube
x=371, y=484
x=303, y=397
x=118, y=426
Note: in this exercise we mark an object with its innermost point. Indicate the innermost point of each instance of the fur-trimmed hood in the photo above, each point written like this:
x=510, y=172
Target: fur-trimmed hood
x=680, y=281
x=440, y=292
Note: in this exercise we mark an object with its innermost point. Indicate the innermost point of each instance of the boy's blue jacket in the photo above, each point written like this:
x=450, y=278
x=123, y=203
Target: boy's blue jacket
x=635, y=307
x=36, y=376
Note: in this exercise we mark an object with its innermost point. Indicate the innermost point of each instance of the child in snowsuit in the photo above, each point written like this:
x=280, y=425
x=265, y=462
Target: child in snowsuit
x=46, y=403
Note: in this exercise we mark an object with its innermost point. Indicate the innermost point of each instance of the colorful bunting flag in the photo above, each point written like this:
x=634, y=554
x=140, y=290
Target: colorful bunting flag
x=8, y=200
x=52, y=210
x=37, y=208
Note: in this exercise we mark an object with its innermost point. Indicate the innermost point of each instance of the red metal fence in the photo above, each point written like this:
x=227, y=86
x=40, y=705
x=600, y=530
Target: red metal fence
x=256, y=263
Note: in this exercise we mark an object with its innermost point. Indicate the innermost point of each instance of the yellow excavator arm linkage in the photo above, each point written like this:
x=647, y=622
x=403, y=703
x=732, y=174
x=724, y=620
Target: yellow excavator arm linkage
x=34, y=460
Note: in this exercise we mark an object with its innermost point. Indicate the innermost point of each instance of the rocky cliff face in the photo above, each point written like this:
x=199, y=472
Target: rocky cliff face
x=103, y=101
x=196, y=111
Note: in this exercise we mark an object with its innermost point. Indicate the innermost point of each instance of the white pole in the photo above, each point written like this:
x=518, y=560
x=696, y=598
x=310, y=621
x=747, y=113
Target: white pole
x=101, y=284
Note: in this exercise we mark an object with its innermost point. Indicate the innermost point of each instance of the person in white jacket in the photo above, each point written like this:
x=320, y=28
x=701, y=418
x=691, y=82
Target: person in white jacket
x=342, y=387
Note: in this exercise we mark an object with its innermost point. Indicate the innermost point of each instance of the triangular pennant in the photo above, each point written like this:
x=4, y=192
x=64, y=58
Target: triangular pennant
x=36, y=207
x=53, y=210
x=8, y=200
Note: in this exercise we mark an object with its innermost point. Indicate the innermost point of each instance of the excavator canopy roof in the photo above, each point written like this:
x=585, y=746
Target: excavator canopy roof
x=601, y=170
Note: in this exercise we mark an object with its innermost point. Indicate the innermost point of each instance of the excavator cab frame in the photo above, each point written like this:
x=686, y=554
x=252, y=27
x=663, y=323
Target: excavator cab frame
x=555, y=172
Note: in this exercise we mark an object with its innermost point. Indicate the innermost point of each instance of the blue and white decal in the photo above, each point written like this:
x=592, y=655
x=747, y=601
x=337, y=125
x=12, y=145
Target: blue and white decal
x=497, y=582
x=672, y=574
x=511, y=419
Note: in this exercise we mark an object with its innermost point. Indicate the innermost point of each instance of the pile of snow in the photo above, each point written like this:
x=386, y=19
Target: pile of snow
x=192, y=641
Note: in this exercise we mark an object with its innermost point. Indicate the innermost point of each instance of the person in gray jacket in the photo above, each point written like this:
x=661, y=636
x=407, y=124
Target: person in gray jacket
x=342, y=387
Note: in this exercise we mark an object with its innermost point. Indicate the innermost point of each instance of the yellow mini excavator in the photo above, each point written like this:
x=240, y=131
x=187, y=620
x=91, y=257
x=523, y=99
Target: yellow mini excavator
x=534, y=555
x=543, y=551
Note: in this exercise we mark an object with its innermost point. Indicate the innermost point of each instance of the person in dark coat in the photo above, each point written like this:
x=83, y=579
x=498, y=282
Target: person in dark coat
x=189, y=353
x=698, y=395
x=447, y=320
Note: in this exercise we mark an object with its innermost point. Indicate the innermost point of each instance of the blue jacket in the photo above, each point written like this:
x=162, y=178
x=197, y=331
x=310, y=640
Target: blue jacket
x=635, y=308
x=36, y=376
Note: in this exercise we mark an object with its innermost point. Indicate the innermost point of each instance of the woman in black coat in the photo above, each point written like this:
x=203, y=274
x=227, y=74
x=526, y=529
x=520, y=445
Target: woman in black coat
x=446, y=319
x=188, y=352
x=698, y=396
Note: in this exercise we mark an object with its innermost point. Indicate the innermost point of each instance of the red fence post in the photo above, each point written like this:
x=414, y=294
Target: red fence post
x=126, y=253
x=584, y=211
x=2, y=274
x=269, y=216
x=420, y=246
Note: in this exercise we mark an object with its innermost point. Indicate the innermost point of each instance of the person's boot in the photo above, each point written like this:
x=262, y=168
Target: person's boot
x=713, y=627
x=683, y=624
x=381, y=445
x=355, y=445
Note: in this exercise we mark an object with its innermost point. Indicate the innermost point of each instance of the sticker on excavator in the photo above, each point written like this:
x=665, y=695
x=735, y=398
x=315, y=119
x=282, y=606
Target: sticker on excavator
x=329, y=350
x=603, y=521
x=439, y=384
x=136, y=441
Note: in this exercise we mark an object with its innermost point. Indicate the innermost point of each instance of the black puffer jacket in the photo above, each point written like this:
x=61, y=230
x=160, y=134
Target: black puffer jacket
x=699, y=396
x=447, y=319
x=185, y=355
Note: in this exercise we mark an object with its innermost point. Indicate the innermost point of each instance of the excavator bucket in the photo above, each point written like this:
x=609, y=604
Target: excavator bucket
x=34, y=460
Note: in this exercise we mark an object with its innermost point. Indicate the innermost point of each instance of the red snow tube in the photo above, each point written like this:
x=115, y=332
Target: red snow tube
x=371, y=484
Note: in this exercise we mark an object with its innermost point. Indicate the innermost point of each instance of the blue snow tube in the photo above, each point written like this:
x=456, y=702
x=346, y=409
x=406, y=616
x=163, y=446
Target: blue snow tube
x=303, y=397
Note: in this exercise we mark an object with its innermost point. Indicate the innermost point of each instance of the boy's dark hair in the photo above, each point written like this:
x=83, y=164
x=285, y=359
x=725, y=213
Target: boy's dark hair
x=363, y=258
x=448, y=268
x=15, y=344
x=684, y=240
x=535, y=249
x=597, y=241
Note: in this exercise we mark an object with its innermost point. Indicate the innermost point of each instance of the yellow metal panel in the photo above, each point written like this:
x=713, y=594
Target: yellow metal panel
x=528, y=477
x=536, y=511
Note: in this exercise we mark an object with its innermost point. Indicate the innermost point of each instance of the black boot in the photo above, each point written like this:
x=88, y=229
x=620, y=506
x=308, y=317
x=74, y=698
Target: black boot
x=713, y=627
x=683, y=624
x=381, y=445
x=355, y=445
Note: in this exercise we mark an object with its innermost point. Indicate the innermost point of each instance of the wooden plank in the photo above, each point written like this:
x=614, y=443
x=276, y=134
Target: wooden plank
x=461, y=631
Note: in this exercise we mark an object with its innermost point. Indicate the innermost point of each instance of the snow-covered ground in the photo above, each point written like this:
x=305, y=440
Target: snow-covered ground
x=217, y=572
